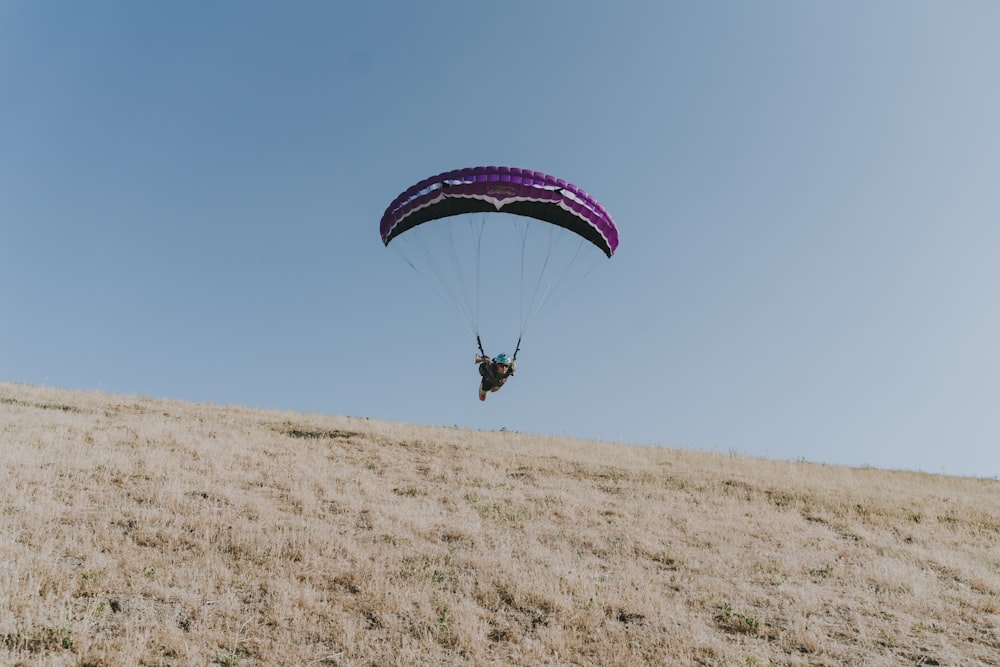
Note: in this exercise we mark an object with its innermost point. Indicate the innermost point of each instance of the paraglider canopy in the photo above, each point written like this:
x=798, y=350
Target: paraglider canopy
x=501, y=189
x=500, y=236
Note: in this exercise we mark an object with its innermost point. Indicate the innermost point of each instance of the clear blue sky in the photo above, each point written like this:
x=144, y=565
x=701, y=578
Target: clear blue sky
x=808, y=196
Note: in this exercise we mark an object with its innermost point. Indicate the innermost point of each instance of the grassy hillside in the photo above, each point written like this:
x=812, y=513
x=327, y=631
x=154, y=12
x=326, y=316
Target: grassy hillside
x=152, y=532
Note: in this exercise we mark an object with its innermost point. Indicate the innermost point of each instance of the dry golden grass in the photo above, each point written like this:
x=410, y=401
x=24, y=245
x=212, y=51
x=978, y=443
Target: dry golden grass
x=151, y=532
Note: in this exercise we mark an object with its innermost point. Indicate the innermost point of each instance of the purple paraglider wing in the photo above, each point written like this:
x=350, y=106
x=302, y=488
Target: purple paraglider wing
x=501, y=189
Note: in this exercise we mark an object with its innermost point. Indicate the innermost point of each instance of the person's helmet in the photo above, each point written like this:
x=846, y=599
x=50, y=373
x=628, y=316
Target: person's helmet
x=502, y=359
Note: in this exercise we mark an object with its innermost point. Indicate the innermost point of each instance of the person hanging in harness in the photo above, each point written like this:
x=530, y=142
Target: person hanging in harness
x=495, y=372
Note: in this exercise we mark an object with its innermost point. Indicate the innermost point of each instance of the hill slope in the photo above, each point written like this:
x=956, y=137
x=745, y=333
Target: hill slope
x=152, y=532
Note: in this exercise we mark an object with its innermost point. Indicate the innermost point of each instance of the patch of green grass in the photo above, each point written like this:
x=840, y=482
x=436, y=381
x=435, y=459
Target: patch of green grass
x=229, y=657
x=503, y=514
x=736, y=621
x=922, y=627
